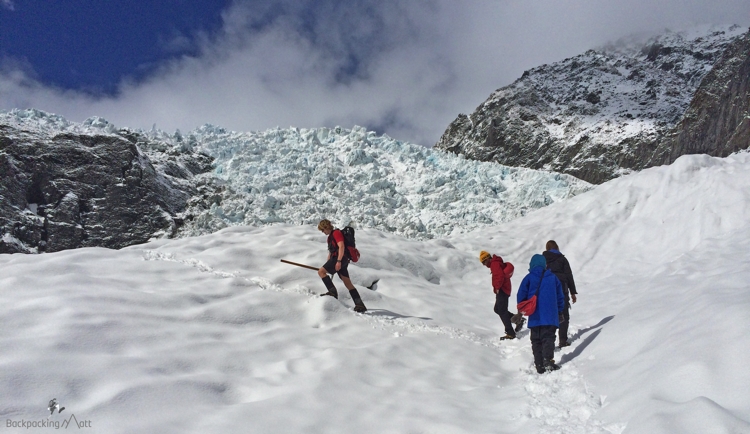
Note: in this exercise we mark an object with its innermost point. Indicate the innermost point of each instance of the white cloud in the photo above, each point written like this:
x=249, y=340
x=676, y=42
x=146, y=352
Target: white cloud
x=406, y=68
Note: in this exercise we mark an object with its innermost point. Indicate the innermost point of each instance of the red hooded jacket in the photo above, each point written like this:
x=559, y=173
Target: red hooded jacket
x=501, y=274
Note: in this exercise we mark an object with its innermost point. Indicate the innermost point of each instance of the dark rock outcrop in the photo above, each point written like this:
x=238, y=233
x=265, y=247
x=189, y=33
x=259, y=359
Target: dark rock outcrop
x=717, y=122
x=71, y=190
x=607, y=113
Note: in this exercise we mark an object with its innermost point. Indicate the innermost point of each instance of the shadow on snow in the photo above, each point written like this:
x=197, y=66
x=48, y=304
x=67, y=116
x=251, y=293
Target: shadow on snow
x=388, y=313
x=586, y=342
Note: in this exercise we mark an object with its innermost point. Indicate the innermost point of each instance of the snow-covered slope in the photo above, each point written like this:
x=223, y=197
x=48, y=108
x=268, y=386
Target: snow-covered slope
x=214, y=334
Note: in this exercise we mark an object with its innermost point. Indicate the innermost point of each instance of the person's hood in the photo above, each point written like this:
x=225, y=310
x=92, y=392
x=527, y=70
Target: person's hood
x=552, y=255
x=537, y=261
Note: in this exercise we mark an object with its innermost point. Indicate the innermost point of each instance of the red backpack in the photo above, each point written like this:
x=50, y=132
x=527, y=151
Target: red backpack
x=528, y=306
x=350, y=244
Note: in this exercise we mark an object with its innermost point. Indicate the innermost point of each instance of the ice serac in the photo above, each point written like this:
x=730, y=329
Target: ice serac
x=65, y=185
x=356, y=176
x=622, y=108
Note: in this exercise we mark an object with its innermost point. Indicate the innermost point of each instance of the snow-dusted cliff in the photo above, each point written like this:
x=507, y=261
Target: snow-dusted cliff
x=601, y=114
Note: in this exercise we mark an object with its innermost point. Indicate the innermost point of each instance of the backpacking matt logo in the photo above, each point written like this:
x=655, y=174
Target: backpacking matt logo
x=53, y=406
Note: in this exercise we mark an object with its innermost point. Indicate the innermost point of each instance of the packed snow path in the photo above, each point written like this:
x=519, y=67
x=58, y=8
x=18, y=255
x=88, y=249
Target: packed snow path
x=561, y=401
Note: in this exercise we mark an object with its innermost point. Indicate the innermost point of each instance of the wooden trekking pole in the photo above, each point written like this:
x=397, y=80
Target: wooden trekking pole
x=299, y=265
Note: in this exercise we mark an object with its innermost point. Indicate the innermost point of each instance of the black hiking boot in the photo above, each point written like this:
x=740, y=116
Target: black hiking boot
x=564, y=344
x=550, y=366
x=507, y=337
x=331, y=288
x=359, y=306
x=540, y=369
x=519, y=324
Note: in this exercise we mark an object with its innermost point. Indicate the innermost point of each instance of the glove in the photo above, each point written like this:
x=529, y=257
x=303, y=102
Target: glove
x=561, y=317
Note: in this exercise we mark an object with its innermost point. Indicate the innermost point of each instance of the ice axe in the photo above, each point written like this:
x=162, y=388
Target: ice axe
x=300, y=265
x=372, y=285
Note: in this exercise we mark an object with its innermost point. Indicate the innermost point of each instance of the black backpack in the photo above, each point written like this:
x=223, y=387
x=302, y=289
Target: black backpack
x=350, y=243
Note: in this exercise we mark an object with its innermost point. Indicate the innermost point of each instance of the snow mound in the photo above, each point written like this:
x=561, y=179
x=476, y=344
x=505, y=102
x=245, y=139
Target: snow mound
x=656, y=216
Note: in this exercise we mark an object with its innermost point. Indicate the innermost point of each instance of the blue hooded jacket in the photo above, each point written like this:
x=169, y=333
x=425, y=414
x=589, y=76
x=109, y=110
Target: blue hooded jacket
x=550, y=301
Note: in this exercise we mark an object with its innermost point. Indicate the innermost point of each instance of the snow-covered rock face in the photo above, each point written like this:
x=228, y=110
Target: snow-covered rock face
x=66, y=185
x=598, y=115
x=208, y=179
x=718, y=119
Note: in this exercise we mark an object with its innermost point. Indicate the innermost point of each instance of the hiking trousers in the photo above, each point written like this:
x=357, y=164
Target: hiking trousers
x=543, y=344
x=563, y=331
x=501, y=308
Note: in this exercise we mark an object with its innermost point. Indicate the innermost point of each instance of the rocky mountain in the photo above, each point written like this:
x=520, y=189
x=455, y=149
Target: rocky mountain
x=66, y=185
x=619, y=109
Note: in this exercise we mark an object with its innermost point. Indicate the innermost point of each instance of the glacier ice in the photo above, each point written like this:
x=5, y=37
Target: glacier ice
x=354, y=176
x=350, y=176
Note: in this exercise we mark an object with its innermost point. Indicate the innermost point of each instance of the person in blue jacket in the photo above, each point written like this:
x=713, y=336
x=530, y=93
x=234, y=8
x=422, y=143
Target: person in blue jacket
x=550, y=303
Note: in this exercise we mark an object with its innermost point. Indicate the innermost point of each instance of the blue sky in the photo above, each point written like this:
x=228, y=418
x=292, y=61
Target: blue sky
x=92, y=44
x=405, y=68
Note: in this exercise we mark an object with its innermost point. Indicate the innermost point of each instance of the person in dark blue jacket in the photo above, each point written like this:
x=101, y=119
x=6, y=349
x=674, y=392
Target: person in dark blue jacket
x=558, y=264
x=550, y=303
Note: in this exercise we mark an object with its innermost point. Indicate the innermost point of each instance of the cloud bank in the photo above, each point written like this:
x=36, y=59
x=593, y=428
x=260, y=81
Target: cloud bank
x=401, y=68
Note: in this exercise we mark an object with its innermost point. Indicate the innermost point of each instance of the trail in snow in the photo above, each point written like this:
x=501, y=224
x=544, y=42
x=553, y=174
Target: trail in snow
x=561, y=401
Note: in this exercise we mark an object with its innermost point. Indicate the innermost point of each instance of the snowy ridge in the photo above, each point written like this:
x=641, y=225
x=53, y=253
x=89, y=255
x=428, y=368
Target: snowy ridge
x=216, y=324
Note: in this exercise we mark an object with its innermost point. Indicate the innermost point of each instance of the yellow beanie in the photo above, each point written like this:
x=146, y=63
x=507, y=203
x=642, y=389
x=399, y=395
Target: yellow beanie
x=483, y=256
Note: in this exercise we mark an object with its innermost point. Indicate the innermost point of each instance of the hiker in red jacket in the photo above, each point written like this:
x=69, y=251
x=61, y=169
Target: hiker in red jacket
x=501, y=274
x=337, y=263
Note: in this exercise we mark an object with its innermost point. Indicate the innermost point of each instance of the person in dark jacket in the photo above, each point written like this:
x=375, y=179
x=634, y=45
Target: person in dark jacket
x=550, y=304
x=501, y=274
x=337, y=263
x=558, y=264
